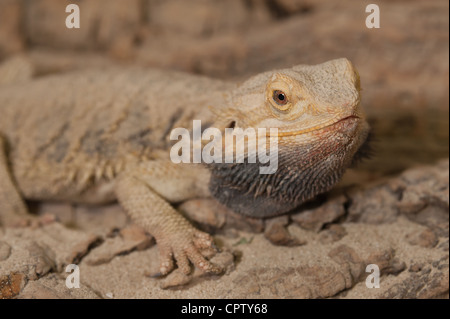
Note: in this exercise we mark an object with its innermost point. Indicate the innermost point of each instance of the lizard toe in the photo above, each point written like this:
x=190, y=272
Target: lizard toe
x=181, y=250
x=201, y=262
x=209, y=252
x=203, y=240
x=166, y=263
x=183, y=262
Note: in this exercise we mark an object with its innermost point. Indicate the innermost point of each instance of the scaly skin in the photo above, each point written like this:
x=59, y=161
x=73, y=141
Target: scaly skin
x=100, y=136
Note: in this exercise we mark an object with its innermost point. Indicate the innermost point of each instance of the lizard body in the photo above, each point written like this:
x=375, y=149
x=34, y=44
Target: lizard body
x=95, y=124
x=98, y=136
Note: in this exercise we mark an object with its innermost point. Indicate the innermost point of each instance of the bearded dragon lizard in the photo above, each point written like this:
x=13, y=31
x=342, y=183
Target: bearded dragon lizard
x=100, y=136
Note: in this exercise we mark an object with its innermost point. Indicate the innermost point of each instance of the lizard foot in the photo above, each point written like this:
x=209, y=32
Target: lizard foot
x=177, y=278
x=190, y=247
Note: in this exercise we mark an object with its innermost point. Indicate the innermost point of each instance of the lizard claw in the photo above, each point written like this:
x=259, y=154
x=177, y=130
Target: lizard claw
x=185, y=250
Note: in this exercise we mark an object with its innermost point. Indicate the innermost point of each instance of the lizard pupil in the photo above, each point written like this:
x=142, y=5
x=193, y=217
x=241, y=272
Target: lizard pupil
x=279, y=97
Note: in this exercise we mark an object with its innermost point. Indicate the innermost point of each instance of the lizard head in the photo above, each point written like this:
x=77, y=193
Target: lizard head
x=321, y=126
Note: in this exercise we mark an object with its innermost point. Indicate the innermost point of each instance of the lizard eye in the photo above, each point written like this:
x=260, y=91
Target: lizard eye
x=279, y=97
x=278, y=94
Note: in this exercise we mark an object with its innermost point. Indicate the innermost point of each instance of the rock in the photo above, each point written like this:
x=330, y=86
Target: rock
x=426, y=186
x=103, y=24
x=423, y=284
x=35, y=252
x=132, y=238
x=11, y=39
x=315, y=219
x=276, y=232
x=82, y=248
x=5, y=250
x=16, y=70
x=109, y=295
x=11, y=285
x=133, y=232
x=207, y=213
x=300, y=282
x=54, y=287
x=243, y=223
x=347, y=256
x=396, y=267
x=44, y=260
x=436, y=218
x=426, y=239
x=211, y=216
x=36, y=290
x=386, y=261
x=416, y=267
x=224, y=260
x=425, y=198
x=420, y=193
x=30, y=259
x=375, y=205
x=332, y=234
x=444, y=246
x=197, y=17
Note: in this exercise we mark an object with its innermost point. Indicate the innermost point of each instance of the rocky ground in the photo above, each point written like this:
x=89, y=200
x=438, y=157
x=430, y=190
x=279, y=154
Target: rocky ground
x=399, y=224
x=391, y=211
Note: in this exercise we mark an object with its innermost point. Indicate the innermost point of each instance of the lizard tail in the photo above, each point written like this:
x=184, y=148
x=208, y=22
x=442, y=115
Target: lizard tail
x=15, y=70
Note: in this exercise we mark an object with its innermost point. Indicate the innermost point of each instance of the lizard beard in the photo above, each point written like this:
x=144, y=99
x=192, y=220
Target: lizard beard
x=303, y=172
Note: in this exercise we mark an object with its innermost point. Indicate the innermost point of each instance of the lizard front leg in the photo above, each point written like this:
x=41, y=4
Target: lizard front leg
x=137, y=191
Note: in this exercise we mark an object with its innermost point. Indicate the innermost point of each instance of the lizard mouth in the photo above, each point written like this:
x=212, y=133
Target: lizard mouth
x=350, y=118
